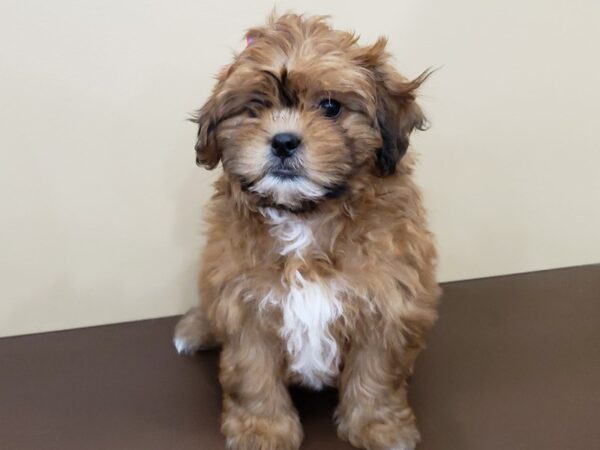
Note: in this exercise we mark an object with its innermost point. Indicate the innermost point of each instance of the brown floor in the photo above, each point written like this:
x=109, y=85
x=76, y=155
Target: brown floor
x=514, y=363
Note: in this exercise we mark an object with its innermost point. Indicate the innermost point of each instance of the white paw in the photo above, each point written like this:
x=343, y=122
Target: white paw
x=192, y=333
x=183, y=346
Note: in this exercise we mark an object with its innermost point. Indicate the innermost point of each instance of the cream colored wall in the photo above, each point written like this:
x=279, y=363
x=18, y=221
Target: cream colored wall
x=101, y=198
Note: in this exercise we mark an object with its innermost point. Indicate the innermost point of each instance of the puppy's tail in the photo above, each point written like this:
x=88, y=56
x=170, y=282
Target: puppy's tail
x=192, y=333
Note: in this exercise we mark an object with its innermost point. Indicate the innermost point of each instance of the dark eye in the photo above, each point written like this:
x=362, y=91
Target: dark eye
x=330, y=107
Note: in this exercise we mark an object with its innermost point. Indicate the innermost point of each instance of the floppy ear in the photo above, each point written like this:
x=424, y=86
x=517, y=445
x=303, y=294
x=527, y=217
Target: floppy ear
x=208, y=153
x=398, y=113
x=221, y=105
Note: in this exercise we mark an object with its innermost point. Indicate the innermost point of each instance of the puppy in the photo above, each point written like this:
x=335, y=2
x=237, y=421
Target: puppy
x=318, y=268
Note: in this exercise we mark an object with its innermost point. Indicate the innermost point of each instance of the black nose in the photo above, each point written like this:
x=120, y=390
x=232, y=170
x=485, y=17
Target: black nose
x=284, y=144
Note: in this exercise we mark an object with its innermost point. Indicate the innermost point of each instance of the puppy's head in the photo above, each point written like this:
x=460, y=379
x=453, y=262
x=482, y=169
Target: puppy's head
x=304, y=109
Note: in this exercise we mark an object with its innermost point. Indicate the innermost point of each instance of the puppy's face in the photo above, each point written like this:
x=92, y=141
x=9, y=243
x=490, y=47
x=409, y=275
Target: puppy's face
x=302, y=110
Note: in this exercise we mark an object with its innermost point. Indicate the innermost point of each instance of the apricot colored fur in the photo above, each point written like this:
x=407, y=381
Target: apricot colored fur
x=370, y=238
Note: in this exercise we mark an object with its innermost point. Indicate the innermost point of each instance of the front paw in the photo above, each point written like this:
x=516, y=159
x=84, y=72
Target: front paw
x=391, y=431
x=246, y=431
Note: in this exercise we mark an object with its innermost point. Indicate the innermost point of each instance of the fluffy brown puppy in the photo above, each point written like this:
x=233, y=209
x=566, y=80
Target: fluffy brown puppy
x=318, y=267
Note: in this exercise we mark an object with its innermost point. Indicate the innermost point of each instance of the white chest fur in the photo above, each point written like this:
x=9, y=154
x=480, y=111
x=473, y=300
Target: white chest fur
x=309, y=307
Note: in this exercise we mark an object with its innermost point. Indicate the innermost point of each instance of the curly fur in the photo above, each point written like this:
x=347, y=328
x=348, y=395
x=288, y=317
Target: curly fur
x=327, y=277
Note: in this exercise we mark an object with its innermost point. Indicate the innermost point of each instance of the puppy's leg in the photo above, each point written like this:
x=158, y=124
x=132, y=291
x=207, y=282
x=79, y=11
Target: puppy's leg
x=257, y=410
x=192, y=333
x=373, y=412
